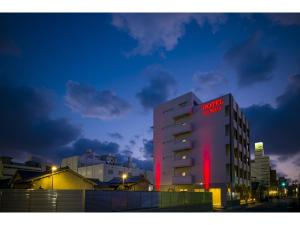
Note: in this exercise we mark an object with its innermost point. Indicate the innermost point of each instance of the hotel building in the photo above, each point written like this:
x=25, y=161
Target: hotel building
x=201, y=146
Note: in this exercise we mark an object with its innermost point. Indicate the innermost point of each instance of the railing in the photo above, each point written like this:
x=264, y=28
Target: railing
x=188, y=179
x=182, y=162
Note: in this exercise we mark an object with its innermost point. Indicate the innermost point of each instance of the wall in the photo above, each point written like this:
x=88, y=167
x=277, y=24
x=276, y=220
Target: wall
x=98, y=201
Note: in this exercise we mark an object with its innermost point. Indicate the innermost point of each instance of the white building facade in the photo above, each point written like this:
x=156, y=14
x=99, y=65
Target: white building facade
x=103, y=170
x=201, y=146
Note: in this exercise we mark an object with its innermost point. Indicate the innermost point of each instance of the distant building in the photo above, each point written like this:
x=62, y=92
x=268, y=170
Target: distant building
x=260, y=166
x=62, y=179
x=136, y=183
x=202, y=146
x=8, y=167
x=103, y=168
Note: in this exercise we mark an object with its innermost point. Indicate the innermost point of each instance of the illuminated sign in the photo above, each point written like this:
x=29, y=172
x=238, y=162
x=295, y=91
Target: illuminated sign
x=212, y=106
x=259, y=146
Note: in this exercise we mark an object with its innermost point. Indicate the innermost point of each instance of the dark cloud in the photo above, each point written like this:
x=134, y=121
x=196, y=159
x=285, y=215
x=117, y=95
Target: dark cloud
x=83, y=144
x=285, y=19
x=26, y=124
x=161, y=86
x=208, y=80
x=93, y=103
x=155, y=31
x=148, y=148
x=250, y=62
x=115, y=135
x=143, y=164
x=278, y=127
x=132, y=142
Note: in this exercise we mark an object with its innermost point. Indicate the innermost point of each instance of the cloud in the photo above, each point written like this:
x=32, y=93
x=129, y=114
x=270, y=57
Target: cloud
x=83, y=144
x=161, y=31
x=209, y=80
x=160, y=87
x=92, y=103
x=250, y=62
x=115, y=135
x=278, y=127
x=26, y=124
x=285, y=19
x=148, y=148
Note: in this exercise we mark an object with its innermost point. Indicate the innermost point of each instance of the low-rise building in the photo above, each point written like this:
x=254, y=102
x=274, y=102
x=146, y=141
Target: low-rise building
x=104, y=168
x=61, y=179
x=8, y=167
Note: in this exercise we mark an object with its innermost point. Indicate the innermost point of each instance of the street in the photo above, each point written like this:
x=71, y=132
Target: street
x=275, y=205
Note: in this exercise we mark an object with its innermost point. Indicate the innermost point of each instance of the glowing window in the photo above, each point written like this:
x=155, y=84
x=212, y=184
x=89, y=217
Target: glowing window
x=183, y=174
x=184, y=157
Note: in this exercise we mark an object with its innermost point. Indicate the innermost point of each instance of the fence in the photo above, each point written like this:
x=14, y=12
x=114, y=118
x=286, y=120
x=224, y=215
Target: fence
x=17, y=200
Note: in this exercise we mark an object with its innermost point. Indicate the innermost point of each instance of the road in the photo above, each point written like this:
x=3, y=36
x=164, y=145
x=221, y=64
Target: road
x=281, y=205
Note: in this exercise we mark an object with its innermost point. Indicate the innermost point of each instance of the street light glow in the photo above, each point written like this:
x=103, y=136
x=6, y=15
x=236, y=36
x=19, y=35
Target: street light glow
x=53, y=168
x=124, y=176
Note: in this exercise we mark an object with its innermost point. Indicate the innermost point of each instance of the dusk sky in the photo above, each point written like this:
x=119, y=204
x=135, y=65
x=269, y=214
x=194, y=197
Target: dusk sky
x=71, y=82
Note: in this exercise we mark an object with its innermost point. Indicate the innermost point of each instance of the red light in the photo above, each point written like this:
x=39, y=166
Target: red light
x=157, y=175
x=206, y=167
x=212, y=106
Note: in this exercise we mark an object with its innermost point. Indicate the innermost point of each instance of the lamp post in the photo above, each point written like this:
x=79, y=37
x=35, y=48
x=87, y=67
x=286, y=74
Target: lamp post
x=53, y=169
x=124, y=176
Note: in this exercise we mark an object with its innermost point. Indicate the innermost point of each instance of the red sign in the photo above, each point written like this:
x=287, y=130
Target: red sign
x=212, y=107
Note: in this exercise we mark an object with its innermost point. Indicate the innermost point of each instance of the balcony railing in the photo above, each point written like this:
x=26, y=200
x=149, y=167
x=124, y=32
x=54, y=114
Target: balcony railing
x=186, y=110
x=182, y=179
x=180, y=145
x=182, y=162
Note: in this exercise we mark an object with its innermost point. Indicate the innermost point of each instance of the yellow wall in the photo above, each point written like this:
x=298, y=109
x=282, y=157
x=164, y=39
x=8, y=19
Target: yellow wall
x=216, y=195
x=64, y=180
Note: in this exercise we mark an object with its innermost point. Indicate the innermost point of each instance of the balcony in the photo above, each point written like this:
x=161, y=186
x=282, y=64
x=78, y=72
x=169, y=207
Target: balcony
x=182, y=179
x=178, y=129
x=179, y=145
x=186, y=110
x=182, y=162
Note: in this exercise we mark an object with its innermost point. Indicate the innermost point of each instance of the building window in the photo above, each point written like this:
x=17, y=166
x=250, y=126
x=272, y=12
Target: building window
x=183, y=174
x=235, y=153
x=183, y=140
x=120, y=172
x=227, y=108
x=183, y=104
x=235, y=116
x=110, y=171
x=235, y=134
x=226, y=130
x=183, y=157
x=227, y=150
x=129, y=174
x=228, y=169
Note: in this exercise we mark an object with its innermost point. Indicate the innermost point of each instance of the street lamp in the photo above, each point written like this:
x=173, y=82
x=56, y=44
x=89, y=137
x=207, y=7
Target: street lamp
x=53, y=169
x=124, y=176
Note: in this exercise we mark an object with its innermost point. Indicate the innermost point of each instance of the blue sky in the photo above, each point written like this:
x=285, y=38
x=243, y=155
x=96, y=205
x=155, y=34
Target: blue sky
x=103, y=74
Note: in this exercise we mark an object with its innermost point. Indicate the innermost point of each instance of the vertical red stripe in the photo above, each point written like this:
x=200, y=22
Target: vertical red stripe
x=206, y=167
x=157, y=173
